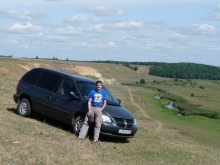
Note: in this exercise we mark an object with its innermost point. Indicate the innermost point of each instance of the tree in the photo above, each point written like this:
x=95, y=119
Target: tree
x=142, y=81
x=135, y=68
x=37, y=57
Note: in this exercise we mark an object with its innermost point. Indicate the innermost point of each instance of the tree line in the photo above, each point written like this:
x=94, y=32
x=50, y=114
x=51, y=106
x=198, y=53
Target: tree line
x=186, y=71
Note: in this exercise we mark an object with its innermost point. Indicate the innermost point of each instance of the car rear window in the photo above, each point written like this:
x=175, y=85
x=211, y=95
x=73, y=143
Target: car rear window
x=32, y=76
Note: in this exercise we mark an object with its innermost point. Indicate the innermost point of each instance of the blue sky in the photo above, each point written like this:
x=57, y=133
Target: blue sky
x=121, y=30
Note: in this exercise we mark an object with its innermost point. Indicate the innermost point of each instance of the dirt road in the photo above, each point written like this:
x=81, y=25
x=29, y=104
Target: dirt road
x=160, y=125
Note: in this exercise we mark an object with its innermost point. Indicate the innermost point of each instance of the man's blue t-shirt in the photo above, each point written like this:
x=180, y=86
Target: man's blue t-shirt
x=97, y=97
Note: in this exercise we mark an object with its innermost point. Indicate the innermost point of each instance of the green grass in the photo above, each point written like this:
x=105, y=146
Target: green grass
x=200, y=129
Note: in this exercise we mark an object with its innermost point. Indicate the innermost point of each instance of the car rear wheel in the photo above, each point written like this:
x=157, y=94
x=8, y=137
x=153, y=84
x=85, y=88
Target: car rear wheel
x=77, y=125
x=24, y=107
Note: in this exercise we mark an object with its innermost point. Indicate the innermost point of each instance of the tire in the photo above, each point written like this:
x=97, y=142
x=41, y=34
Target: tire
x=77, y=124
x=24, y=108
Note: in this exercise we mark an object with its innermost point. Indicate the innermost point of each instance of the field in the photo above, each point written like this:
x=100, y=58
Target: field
x=162, y=138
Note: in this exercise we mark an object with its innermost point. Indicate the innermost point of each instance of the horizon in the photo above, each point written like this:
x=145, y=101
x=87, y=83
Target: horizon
x=99, y=61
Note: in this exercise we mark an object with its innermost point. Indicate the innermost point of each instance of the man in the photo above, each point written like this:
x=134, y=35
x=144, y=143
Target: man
x=96, y=104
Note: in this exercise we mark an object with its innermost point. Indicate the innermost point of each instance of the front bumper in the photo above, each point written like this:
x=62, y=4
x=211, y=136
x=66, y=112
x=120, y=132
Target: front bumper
x=16, y=97
x=113, y=131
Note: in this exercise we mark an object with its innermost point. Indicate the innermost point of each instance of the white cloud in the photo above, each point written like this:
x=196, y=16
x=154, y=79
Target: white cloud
x=106, y=11
x=77, y=18
x=10, y=41
x=218, y=7
x=26, y=16
x=39, y=35
x=24, y=28
x=52, y=37
x=69, y=31
x=178, y=36
x=154, y=25
x=111, y=44
x=95, y=44
x=137, y=38
x=99, y=28
x=57, y=37
x=214, y=16
x=165, y=45
x=198, y=29
x=128, y=25
x=129, y=38
x=204, y=28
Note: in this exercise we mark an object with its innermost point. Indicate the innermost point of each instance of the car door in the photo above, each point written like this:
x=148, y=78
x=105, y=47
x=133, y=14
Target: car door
x=44, y=91
x=64, y=104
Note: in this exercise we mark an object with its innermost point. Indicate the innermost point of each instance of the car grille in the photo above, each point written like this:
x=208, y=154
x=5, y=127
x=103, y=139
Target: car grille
x=124, y=123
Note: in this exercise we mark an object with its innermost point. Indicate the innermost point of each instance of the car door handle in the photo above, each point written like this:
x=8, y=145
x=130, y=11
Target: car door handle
x=54, y=99
x=48, y=97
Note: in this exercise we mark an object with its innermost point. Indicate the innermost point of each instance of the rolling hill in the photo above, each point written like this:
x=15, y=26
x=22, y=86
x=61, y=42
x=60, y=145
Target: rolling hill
x=162, y=137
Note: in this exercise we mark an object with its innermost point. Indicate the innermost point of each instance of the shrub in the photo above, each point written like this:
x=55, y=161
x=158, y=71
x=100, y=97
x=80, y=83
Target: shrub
x=135, y=68
x=142, y=81
x=201, y=87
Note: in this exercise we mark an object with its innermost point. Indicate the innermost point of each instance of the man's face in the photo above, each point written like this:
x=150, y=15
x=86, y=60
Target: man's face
x=99, y=86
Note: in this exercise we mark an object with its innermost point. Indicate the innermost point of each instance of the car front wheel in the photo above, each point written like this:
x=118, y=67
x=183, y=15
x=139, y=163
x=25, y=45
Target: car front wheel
x=24, y=107
x=77, y=125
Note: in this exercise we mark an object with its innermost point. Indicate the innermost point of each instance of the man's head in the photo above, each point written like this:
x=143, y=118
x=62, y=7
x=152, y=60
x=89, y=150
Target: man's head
x=98, y=85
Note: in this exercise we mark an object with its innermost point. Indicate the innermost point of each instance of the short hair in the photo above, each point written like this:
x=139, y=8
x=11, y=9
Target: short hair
x=98, y=82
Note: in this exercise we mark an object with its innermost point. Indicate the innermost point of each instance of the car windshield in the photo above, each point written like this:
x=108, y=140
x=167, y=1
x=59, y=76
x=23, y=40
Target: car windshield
x=86, y=87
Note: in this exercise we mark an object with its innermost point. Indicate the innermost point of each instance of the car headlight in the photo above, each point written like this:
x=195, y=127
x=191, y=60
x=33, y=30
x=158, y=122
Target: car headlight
x=135, y=122
x=106, y=119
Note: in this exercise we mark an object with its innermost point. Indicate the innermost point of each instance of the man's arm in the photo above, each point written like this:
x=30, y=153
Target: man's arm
x=89, y=105
x=104, y=105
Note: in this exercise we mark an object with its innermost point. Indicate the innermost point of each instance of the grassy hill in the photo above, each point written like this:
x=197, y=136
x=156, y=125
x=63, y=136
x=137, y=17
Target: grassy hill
x=163, y=137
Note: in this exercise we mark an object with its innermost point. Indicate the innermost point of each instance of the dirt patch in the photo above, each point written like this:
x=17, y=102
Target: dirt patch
x=108, y=81
x=4, y=71
x=30, y=66
x=87, y=71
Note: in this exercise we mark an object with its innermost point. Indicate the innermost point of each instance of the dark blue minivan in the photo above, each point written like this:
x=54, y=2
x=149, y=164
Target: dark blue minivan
x=63, y=96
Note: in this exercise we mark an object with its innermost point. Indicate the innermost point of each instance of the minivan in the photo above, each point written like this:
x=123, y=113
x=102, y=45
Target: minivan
x=64, y=97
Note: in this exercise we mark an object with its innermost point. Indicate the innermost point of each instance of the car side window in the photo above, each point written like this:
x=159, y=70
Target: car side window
x=85, y=88
x=49, y=80
x=67, y=86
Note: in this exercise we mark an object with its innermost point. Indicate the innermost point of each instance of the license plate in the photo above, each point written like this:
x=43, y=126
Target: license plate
x=122, y=131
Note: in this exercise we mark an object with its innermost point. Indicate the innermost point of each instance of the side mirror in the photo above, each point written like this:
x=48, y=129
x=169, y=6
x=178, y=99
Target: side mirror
x=74, y=95
x=119, y=101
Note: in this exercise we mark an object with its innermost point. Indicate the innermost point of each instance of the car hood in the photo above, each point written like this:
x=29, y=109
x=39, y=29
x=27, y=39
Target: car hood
x=117, y=112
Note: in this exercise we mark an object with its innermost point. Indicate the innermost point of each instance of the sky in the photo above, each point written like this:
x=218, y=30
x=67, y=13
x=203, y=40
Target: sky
x=170, y=31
